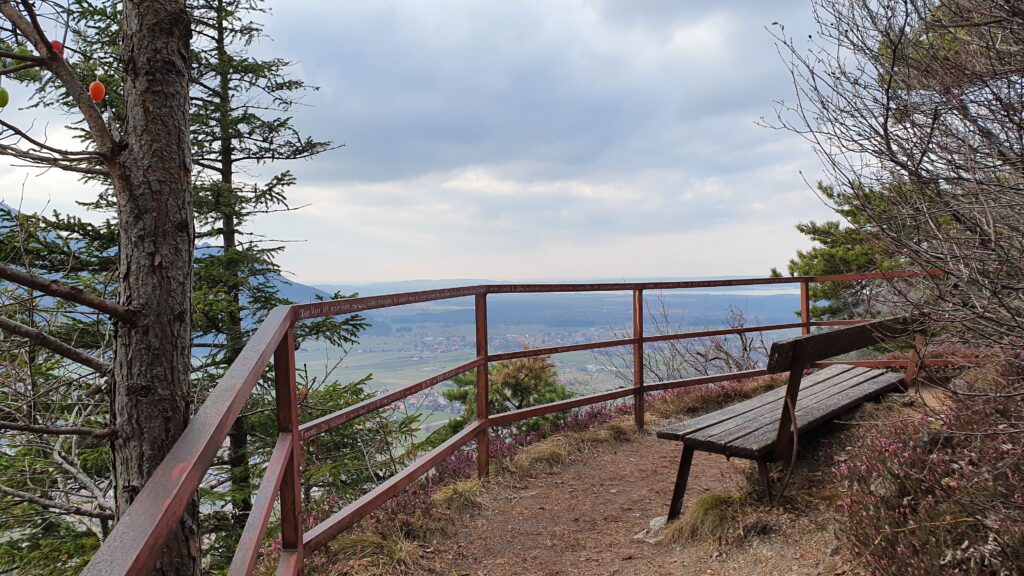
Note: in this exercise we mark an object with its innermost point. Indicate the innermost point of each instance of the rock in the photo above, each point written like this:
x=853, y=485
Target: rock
x=653, y=533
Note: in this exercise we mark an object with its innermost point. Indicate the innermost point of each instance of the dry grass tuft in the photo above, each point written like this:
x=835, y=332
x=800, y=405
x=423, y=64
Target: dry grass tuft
x=559, y=449
x=548, y=452
x=620, y=429
x=460, y=497
x=712, y=517
x=374, y=555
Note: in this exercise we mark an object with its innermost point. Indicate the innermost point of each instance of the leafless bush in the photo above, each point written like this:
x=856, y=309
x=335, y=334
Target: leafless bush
x=916, y=109
x=677, y=359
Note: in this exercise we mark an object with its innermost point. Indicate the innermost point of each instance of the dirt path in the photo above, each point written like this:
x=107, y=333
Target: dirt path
x=581, y=518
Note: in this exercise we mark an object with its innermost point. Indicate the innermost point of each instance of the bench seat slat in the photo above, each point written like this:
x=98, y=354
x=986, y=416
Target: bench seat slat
x=763, y=440
x=749, y=429
x=683, y=429
x=739, y=427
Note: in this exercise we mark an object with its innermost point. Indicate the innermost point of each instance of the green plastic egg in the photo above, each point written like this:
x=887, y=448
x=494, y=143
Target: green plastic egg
x=23, y=51
x=4, y=97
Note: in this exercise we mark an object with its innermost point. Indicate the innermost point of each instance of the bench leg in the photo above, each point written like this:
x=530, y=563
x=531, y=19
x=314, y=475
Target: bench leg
x=676, y=506
x=762, y=469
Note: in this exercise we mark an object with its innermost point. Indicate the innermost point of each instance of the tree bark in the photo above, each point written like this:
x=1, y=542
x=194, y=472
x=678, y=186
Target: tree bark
x=152, y=181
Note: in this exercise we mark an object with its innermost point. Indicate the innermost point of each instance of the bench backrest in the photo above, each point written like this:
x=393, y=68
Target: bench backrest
x=805, y=350
x=796, y=354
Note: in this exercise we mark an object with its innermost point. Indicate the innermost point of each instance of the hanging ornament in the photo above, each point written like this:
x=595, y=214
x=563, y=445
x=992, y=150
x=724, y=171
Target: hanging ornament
x=5, y=98
x=58, y=47
x=97, y=90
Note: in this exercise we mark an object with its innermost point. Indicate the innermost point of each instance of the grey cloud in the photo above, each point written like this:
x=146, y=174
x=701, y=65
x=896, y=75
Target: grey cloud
x=417, y=87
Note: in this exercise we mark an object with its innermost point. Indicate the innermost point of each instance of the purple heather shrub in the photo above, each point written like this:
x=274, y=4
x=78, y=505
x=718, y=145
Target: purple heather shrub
x=939, y=494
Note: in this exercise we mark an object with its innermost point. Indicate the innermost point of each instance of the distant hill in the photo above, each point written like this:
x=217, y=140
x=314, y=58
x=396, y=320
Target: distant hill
x=290, y=289
x=393, y=287
x=294, y=291
x=378, y=288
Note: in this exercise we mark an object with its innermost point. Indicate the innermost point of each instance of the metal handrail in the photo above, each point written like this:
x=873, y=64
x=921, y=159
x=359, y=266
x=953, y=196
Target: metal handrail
x=133, y=546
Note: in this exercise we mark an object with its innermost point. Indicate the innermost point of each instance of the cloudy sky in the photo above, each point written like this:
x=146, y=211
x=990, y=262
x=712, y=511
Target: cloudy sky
x=533, y=139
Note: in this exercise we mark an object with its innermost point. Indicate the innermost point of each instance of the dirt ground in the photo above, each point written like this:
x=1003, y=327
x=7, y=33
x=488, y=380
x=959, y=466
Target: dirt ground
x=582, y=518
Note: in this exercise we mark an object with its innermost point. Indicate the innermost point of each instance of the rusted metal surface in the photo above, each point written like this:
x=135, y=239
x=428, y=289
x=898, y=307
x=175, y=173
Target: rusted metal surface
x=251, y=539
x=544, y=409
x=342, y=520
x=638, y=359
x=288, y=423
x=290, y=563
x=547, y=351
x=805, y=307
x=483, y=409
x=506, y=418
x=351, y=305
x=139, y=536
x=721, y=332
x=687, y=382
x=314, y=428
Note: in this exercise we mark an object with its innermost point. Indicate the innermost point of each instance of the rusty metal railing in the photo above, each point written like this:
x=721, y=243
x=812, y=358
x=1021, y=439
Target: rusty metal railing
x=134, y=545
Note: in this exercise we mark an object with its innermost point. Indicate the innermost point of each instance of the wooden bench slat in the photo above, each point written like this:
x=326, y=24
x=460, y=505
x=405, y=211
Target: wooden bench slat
x=760, y=442
x=771, y=419
x=822, y=345
x=753, y=420
x=683, y=429
x=759, y=428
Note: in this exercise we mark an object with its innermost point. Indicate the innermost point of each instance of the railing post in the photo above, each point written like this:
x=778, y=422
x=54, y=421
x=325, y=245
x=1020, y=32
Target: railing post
x=638, y=358
x=805, y=306
x=288, y=422
x=482, y=388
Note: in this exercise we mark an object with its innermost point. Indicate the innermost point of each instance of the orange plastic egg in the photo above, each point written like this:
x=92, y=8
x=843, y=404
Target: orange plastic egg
x=97, y=90
x=58, y=47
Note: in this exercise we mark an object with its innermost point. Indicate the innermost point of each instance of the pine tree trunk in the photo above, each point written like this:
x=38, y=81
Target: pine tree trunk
x=238, y=438
x=152, y=180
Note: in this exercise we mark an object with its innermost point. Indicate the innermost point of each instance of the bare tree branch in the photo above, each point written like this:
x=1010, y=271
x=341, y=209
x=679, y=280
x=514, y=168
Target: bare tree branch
x=83, y=479
x=29, y=27
x=54, y=506
x=60, y=290
x=58, y=430
x=53, y=344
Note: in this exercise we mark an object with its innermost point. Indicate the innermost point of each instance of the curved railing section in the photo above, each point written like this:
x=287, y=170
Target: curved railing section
x=136, y=541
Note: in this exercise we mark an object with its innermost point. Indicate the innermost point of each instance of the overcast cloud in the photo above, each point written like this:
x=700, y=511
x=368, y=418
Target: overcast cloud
x=536, y=139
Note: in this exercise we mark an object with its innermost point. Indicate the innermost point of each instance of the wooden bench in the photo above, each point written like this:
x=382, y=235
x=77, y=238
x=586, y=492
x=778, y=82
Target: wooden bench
x=763, y=429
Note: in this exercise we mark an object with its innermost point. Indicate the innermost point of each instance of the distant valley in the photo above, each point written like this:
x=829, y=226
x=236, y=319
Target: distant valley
x=407, y=344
